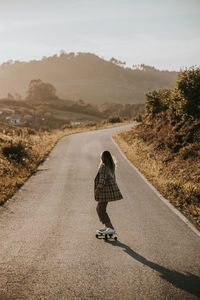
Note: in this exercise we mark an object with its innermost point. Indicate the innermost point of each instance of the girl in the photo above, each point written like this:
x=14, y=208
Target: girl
x=106, y=190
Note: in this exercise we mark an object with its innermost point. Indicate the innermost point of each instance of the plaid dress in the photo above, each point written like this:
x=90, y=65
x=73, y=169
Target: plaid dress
x=110, y=190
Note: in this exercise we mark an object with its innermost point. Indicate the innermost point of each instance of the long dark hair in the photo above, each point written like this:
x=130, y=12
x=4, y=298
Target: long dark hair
x=107, y=159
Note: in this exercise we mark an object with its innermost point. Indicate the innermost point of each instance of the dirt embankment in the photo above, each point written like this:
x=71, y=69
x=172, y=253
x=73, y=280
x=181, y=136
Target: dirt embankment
x=167, y=152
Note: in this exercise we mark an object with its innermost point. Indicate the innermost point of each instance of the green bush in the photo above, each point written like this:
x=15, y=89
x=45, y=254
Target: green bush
x=188, y=85
x=90, y=124
x=66, y=126
x=183, y=99
x=15, y=152
x=157, y=101
x=138, y=118
x=114, y=119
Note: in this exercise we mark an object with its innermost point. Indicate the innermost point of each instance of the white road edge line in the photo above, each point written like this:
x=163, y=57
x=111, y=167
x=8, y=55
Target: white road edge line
x=177, y=212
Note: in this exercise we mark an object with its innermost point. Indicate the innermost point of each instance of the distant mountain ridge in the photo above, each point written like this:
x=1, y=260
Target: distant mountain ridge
x=85, y=76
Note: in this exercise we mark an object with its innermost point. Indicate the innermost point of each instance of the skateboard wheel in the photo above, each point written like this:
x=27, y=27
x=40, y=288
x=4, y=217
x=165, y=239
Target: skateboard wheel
x=97, y=236
x=106, y=237
x=115, y=238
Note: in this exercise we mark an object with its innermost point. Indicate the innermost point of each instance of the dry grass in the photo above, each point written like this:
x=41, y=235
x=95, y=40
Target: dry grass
x=174, y=171
x=22, y=150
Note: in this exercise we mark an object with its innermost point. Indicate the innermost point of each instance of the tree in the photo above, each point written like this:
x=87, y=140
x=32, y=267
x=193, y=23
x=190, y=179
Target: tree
x=183, y=99
x=62, y=52
x=10, y=96
x=40, y=91
x=188, y=85
x=156, y=101
x=117, y=62
x=18, y=96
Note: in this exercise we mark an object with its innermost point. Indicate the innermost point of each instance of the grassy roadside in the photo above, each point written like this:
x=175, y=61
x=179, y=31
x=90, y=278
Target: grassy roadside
x=23, y=149
x=175, y=175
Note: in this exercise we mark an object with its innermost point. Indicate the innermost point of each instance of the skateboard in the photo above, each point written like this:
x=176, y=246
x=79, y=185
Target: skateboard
x=106, y=236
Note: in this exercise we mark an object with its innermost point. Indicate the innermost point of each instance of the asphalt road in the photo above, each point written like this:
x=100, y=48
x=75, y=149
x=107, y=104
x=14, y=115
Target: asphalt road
x=48, y=248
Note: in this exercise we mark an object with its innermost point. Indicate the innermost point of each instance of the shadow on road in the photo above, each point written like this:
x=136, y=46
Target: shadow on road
x=187, y=282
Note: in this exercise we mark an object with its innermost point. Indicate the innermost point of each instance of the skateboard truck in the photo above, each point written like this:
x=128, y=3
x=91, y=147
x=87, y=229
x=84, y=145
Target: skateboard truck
x=106, y=236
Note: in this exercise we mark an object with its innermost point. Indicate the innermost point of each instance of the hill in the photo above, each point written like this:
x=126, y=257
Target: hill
x=42, y=108
x=56, y=113
x=85, y=76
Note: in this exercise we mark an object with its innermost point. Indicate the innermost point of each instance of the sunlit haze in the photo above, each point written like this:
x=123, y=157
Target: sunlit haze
x=160, y=33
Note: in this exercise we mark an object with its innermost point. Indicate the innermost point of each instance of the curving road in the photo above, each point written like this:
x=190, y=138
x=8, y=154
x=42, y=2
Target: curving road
x=48, y=248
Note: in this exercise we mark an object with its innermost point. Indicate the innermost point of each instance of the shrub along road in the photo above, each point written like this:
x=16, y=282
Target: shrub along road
x=48, y=246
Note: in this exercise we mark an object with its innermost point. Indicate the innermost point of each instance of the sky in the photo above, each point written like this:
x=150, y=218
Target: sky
x=159, y=33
